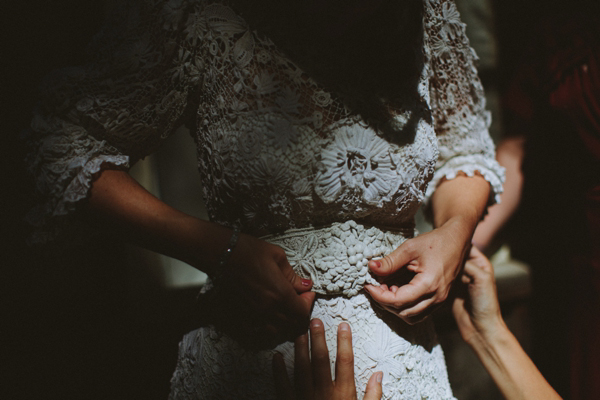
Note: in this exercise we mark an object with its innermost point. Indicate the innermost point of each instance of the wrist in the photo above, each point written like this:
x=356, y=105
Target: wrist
x=464, y=197
x=202, y=244
x=219, y=269
x=491, y=337
x=461, y=227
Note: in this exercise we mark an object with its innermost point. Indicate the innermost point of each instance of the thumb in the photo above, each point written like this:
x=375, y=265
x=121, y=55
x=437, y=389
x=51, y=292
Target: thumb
x=393, y=261
x=374, y=390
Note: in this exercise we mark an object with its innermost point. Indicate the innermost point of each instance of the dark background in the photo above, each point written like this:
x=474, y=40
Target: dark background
x=87, y=324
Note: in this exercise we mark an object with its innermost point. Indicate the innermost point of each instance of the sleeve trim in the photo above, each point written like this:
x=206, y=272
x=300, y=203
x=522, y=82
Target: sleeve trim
x=491, y=171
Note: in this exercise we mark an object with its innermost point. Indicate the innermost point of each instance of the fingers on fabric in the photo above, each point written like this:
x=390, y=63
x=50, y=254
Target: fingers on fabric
x=402, y=296
x=302, y=368
x=374, y=391
x=300, y=284
x=344, y=363
x=411, y=302
x=419, y=311
x=320, y=359
x=393, y=261
x=283, y=387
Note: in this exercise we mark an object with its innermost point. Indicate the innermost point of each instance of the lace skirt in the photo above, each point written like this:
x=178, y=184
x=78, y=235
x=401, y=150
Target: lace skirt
x=213, y=366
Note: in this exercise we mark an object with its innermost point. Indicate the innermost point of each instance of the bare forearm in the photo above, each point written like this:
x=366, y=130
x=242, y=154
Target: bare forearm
x=119, y=204
x=509, y=366
x=460, y=202
x=510, y=156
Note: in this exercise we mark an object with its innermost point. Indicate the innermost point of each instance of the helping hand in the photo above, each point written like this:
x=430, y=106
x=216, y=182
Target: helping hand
x=312, y=374
x=435, y=258
x=259, y=300
x=478, y=314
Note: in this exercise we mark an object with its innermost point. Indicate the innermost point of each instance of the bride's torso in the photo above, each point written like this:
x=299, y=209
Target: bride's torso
x=277, y=151
x=283, y=158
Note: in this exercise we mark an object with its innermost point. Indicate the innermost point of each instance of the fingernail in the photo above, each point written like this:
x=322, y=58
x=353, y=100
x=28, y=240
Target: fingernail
x=315, y=323
x=306, y=282
x=344, y=327
x=379, y=377
x=375, y=264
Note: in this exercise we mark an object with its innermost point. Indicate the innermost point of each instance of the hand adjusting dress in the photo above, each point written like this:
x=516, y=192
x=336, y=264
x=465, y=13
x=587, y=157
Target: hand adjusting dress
x=280, y=157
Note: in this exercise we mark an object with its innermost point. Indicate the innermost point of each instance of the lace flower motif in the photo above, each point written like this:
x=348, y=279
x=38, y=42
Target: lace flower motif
x=440, y=47
x=382, y=349
x=323, y=99
x=357, y=160
x=250, y=144
x=263, y=57
x=282, y=132
x=265, y=83
x=452, y=26
x=195, y=28
x=303, y=257
x=187, y=67
x=451, y=29
x=289, y=101
x=136, y=54
x=274, y=211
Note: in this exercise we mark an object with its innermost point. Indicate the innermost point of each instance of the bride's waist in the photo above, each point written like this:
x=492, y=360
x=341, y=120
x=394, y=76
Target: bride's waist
x=335, y=256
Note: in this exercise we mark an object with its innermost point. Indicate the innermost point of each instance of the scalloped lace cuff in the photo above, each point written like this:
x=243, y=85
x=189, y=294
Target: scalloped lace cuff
x=486, y=166
x=49, y=221
x=80, y=185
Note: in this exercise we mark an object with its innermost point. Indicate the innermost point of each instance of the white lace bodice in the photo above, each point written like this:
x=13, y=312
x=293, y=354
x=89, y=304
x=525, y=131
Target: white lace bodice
x=280, y=157
x=275, y=149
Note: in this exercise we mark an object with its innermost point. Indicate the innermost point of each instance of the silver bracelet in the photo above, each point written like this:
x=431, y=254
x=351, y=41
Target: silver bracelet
x=226, y=255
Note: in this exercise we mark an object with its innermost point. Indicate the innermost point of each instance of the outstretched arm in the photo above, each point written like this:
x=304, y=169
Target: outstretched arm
x=481, y=325
x=117, y=203
x=270, y=300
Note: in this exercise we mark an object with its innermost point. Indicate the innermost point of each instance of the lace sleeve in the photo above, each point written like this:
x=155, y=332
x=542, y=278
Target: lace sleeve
x=114, y=110
x=457, y=101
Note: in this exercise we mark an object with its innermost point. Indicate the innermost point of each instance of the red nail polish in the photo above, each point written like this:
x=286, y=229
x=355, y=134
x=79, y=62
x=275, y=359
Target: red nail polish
x=375, y=264
x=306, y=282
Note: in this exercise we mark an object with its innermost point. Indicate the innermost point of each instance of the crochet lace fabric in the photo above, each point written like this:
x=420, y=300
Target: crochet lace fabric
x=275, y=150
x=277, y=153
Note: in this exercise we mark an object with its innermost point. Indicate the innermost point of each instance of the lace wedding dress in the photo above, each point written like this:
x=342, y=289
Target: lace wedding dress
x=280, y=157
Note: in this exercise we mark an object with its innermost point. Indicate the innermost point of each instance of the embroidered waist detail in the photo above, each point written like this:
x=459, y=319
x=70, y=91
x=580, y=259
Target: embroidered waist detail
x=335, y=257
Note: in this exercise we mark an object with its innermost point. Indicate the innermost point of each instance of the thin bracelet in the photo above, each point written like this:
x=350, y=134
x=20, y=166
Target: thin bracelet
x=226, y=255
